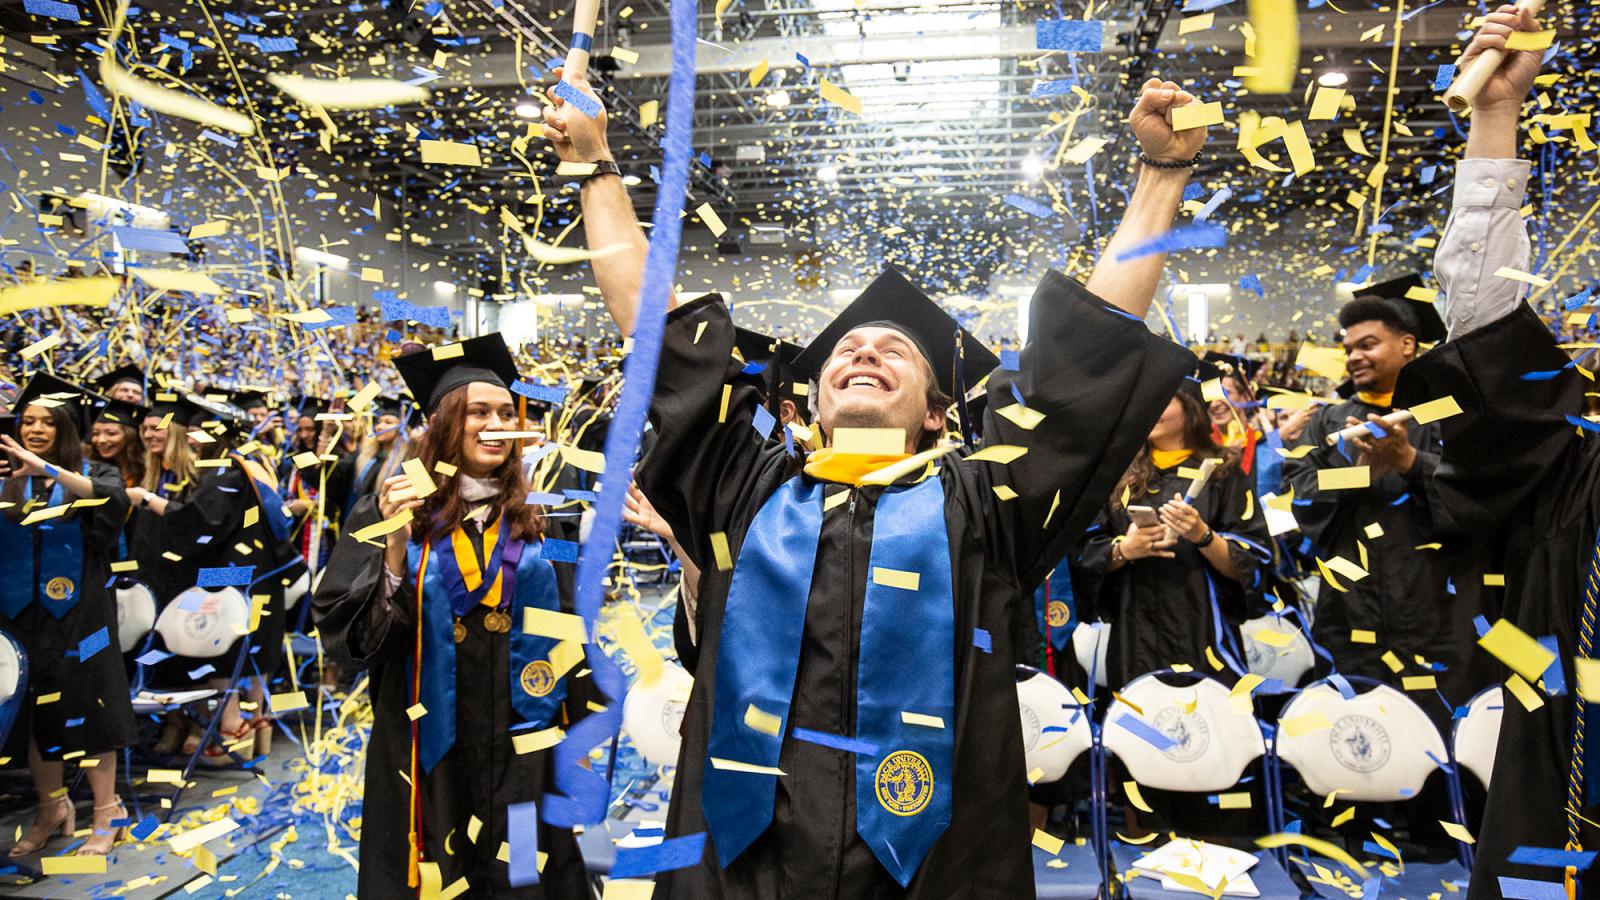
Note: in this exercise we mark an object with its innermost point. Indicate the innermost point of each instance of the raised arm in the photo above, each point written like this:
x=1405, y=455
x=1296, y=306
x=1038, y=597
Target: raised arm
x=1485, y=231
x=608, y=218
x=1131, y=285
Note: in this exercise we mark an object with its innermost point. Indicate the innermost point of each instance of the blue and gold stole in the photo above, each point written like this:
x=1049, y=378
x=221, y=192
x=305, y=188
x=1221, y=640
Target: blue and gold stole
x=60, y=559
x=905, y=689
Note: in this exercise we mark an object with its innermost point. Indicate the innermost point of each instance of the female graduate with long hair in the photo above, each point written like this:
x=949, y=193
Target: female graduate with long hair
x=435, y=610
x=114, y=440
x=54, y=600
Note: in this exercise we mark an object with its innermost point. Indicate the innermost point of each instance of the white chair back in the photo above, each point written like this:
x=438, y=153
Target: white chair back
x=653, y=713
x=12, y=659
x=136, y=614
x=204, y=624
x=1210, y=742
x=1055, y=729
x=1090, y=642
x=1375, y=746
x=1477, y=736
x=1285, y=654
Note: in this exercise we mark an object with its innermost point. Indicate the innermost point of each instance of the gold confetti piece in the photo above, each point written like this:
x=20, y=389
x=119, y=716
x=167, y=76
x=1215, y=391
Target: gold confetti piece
x=96, y=291
x=553, y=624
x=906, y=581
x=1315, y=845
x=49, y=512
x=1419, y=683
x=1392, y=661
x=1348, y=814
x=1192, y=24
x=1052, y=845
x=445, y=469
x=349, y=93
x=1131, y=788
x=251, y=517
x=730, y=765
x=869, y=441
x=1531, y=40
x=43, y=345
x=364, y=397
x=551, y=255
x=628, y=889
x=759, y=72
x=181, y=280
x=926, y=721
x=1273, y=46
x=1341, y=566
x=416, y=472
x=712, y=220
x=164, y=776
x=1325, y=361
x=840, y=97
x=1344, y=478
x=1518, y=274
x=73, y=865
x=760, y=720
x=722, y=410
x=1004, y=492
x=416, y=711
x=636, y=643
x=205, y=860
x=1494, y=580
x=1588, y=672
x=1273, y=638
x=1239, y=697
x=1196, y=115
x=1512, y=646
x=1295, y=726
x=1363, y=636
x=587, y=460
x=449, y=153
x=205, y=230
x=649, y=113
x=380, y=529
x=719, y=549
x=534, y=741
x=474, y=826
x=119, y=81
x=1458, y=831
x=1326, y=104
x=194, y=837
x=1003, y=454
x=204, y=881
x=1021, y=416
x=1083, y=150
x=288, y=702
x=1234, y=800
x=1524, y=692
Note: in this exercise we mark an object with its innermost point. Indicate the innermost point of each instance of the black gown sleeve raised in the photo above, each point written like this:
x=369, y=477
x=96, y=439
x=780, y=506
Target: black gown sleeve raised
x=1101, y=380
x=708, y=454
x=359, y=625
x=102, y=524
x=1512, y=436
x=1091, y=556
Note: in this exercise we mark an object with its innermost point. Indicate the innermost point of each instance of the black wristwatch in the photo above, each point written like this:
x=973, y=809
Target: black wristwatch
x=1206, y=541
x=602, y=167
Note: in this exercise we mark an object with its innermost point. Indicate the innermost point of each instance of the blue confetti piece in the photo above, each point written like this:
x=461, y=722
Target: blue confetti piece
x=522, y=833
x=580, y=101
x=226, y=576
x=93, y=644
x=1551, y=858
x=1184, y=237
x=1194, y=6
x=1480, y=624
x=337, y=316
x=544, y=393
x=983, y=640
x=1545, y=375
x=1217, y=199
x=1031, y=207
x=146, y=827
x=149, y=240
x=1376, y=430
x=1579, y=299
x=837, y=742
x=395, y=310
x=1444, y=77
x=203, y=671
x=1011, y=360
x=559, y=551
x=1053, y=88
x=1144, y=731
x=1583, y=423
x=1069, y=34
x=1252, y=283
x=801, y=58
x=52, y=9
x=1555, y=680
x=763, y=421
x=1528, y=889
x=541, y=499
x=581, y=496
x=151, y=657
x=670, y=854
x=93, y=97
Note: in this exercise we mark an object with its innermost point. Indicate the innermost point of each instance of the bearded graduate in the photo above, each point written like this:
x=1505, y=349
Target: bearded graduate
x=853, y=726
x=55, y=601
x=434, y=609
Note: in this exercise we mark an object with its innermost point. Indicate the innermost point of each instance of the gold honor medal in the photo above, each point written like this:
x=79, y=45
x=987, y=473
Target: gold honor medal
x=460, y=631
x=497, y=622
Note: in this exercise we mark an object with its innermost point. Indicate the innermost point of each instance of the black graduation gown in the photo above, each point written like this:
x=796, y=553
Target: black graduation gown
x=1101, y=380
x=351, y=480
x=206, y=529
x=481, y=775
x=93, y=714
x=1418, y=602
x=1515, y=473
x=1161, y=609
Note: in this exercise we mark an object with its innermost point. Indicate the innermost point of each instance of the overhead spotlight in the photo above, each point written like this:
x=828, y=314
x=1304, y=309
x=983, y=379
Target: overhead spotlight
x=778, y=99
x=527, y=110
x=1332, y=79
x=828, y=175
x=1032, y=167
x=444, y=287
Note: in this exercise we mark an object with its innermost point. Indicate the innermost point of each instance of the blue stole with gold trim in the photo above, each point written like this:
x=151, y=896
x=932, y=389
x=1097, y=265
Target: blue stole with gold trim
x=59, y=548
x=905, y=691
x=536, y=694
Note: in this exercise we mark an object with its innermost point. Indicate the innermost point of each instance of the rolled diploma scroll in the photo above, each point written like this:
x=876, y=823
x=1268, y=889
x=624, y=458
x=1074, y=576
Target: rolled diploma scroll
x=584, y=14
x=1464, y=90
x=1207, y=466
x=1394, y=418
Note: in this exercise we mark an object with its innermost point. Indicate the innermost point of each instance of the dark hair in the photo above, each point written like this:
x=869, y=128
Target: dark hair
x=1374, y=309
x=937, y=399
x=443, y=510
x=1198, y=437
x=66, y=454
x=130, y=459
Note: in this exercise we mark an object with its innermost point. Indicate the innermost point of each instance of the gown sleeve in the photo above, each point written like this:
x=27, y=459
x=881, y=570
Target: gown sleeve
x=102, y=524
x=209, y=514
x=1515, y=434
x=1101, y=380
x=703, y=468
x=362, y=622
x=1090, y=558
x=1248, y=541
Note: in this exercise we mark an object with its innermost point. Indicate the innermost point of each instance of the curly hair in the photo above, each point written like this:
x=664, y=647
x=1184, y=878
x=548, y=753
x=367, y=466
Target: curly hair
x=1198, y=437
x=444, y=509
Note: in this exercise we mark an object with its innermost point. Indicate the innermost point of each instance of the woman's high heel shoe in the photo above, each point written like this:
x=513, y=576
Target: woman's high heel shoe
x=103, y=839
x=61, y=813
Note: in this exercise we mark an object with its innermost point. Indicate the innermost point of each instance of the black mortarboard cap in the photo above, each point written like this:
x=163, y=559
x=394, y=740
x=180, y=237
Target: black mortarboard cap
x=893, y=301
x=776, y=358
x=1420, y=318
x=306, y=405
x=79, y=402
x=245, y=398
x=111, y=379
x=1242, y=367
x=203, y=410
x=121, y=412
x=1204, y=371
x=432, y=373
